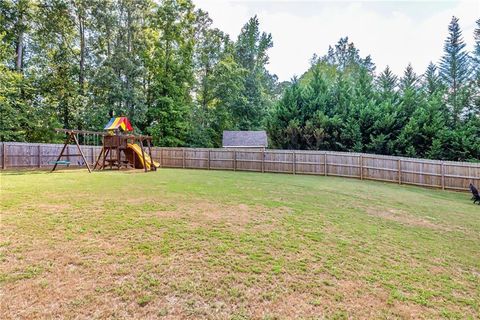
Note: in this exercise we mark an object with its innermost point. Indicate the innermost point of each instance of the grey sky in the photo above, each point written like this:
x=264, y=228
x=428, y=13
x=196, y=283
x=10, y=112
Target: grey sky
x=393, y=32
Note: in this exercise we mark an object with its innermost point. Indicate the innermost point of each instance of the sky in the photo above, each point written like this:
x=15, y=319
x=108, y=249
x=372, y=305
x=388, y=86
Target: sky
x=394, y=33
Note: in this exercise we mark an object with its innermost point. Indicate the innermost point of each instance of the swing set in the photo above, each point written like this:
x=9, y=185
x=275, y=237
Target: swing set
x=120, y=148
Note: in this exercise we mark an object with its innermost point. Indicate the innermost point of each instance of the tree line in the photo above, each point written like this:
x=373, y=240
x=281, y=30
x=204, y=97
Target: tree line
x=76, y=63
x=341, y=104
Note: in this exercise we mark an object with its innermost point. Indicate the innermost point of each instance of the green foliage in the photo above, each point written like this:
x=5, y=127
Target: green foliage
x=77, y=63
x=74, y=64
x=455, y=70
x=476, y=66
x=339, y=105
x=170, y=49
x=251, y=54
x=13, y=120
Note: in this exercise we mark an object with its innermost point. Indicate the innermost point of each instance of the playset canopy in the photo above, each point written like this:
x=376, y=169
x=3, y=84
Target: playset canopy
x=119, y=123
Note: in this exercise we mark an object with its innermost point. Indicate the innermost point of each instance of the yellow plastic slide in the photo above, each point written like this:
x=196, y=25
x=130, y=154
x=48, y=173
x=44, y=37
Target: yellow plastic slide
x=136, y=148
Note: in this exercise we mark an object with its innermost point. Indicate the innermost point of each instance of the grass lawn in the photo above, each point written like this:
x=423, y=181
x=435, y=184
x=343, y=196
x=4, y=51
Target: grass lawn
x=233, y=245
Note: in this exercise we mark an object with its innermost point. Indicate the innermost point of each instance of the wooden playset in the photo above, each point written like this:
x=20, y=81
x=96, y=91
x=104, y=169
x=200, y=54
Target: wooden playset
x=120, y=148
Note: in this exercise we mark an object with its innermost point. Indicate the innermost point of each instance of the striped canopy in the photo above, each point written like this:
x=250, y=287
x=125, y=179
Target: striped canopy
x=119, y=122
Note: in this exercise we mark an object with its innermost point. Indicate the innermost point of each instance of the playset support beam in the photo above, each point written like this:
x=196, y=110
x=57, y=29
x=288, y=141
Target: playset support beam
x=71, y=135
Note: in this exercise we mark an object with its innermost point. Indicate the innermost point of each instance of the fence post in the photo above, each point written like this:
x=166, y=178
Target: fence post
x=263, y=160
x=234, y=160
x=325, y=168
x=361, y=166
x=208, y=159
x=93, y=155
x=4, y=147
x=161, y=157
x=399, y=171
x=183, y=158
x=443, y=175
x=39, y=158
x=294, y=163
x=470, y=173
x=68, y=153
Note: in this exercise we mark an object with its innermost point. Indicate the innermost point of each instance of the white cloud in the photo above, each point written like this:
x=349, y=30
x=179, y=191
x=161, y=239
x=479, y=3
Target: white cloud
x=394, y=33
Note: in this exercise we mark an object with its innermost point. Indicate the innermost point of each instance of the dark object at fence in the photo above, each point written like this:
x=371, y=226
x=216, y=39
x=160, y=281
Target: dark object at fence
x=476, y=195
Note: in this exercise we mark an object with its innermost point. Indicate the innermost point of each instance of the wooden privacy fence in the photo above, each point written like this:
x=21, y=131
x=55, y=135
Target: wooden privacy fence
x=38, y=155
x=422, y=172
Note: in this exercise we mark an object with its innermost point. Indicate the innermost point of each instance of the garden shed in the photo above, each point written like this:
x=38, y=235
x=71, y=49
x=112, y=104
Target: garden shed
x=245, y=139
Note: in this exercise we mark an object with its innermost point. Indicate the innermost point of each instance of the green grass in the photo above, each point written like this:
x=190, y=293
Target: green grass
x=234, y=245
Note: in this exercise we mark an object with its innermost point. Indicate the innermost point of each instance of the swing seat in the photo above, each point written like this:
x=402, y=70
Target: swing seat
x=65, y=162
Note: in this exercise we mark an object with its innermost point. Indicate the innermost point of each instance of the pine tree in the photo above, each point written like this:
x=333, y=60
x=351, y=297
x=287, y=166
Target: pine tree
x=410, y=97
x=476, y=50
x=284, y=123
x=454, y=70
x=476, y=65
x=387, y=83
x=409, y=79
x=422, y=129
x=431, y=80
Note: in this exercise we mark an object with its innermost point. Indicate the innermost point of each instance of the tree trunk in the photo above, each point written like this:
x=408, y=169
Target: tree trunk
x=66, y=123
x=128, y=74
x=20, y=45
x=81, y=74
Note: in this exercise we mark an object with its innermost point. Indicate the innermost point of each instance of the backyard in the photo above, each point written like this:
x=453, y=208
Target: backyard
x=233, y=245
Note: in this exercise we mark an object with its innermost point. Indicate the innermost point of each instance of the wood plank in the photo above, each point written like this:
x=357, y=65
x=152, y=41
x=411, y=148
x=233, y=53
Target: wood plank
x=39, y=153
x=61, y=152
x=443, y=177
x=183, y=157
x=361, y=167
x=380, y=168
x=399, y=171
x=4, y=155
x=422, y=173
x=294, y=165
x=325, y=165
x=81, y=153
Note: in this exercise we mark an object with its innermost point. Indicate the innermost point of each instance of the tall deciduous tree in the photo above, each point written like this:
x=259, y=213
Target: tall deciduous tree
x=170, y=60
x=15, y=23
x=56, y=58
x=251, y=54
x=208, y=115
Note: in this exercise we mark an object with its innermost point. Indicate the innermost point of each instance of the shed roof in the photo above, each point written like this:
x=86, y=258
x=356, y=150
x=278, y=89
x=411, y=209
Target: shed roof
x=246, y=139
